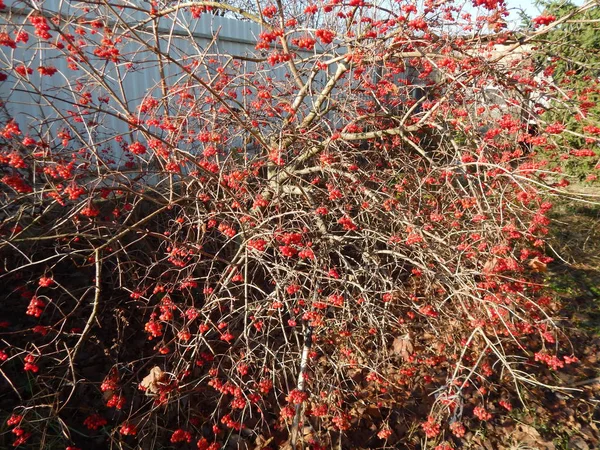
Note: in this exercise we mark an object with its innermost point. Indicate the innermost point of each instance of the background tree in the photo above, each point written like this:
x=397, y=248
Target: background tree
x=569, y=57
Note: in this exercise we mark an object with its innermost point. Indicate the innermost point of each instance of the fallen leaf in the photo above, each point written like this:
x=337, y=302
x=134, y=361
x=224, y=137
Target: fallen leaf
x=526, y=435
x=577, y=443
x=261, y=442
x=490, y=265
x=151, y=382
x=403, y=346
x=537, y=266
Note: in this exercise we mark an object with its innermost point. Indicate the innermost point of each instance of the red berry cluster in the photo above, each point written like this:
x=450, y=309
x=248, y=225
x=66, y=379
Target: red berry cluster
x=269, y=11
x=107, y=50
x=227, y=230
x=17, y=183
x=90, y=211
x=181, y=436
x=325, y=36
x=296, y=397
x=154, y=328
x=544, y=19
x=257, y=244
x=94, y=422
x=431, y=427
x=11, y=129
x=203, y=444
x=35, y=307
x=116, y=401
x=46, y=281
x=137, y=148
x=347, y=223
x=305, y=42
x=47, y=71
x=41, y=26
x=128, y=429
x=7, y=41
x=275, y=58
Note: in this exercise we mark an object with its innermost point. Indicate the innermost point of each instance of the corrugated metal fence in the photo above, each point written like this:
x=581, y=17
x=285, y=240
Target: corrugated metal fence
x=41, y=103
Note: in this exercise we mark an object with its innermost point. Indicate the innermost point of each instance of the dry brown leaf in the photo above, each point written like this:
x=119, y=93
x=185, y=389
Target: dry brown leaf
x=526, y=435
x=287, y=445
x=261, y=442
x=577, y=443
x=537, y=266
x=374, y=412
x=403, y=346
x=151, y=382
x=490, y=265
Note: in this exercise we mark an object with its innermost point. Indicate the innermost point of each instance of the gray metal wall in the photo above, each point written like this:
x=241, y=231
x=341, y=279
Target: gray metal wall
x=32, y=101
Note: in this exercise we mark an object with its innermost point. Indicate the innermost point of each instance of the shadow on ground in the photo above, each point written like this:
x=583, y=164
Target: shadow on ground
x=575, y=274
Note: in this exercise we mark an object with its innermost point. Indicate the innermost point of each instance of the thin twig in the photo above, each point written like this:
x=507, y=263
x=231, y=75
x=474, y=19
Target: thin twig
x=95, y=304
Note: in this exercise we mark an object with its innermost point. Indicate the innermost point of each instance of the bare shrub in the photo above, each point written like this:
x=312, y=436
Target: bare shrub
x=205, y=243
